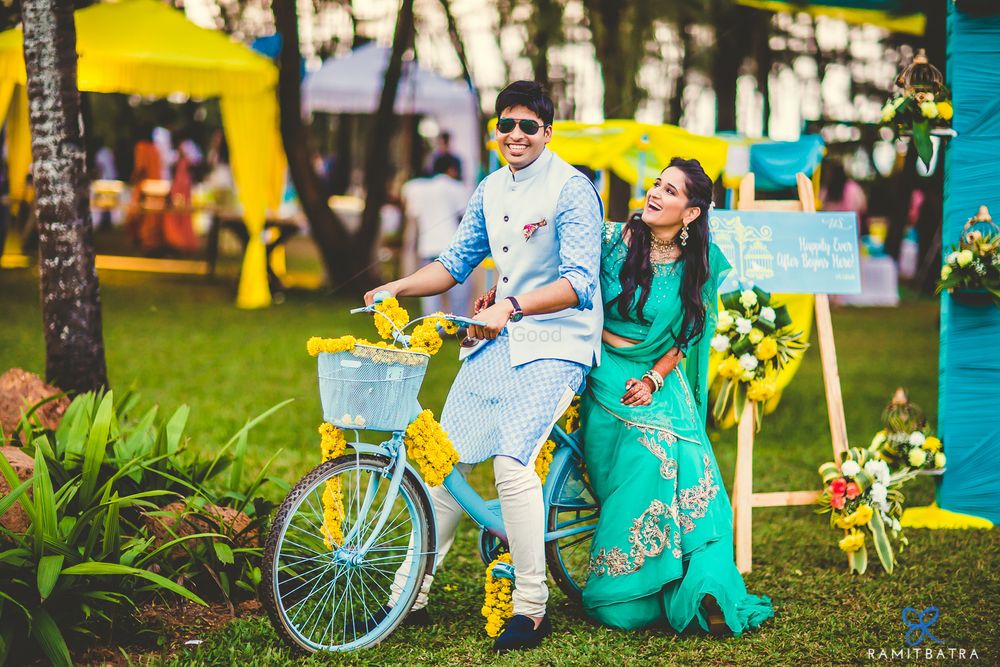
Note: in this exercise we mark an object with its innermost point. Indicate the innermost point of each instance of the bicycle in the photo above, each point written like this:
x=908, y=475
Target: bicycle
x=319, y=595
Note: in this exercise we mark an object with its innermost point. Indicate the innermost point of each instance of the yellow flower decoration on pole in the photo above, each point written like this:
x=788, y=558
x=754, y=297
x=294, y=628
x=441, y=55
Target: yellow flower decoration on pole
x=854, y=541
x=428, y=444
x=333, y=444
x=498, y=604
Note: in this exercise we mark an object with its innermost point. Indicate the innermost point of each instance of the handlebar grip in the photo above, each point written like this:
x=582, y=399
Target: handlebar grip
x=364, y=309
x=467, y=321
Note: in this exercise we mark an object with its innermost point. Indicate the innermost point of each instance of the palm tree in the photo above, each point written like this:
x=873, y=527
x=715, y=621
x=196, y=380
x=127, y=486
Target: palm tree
x=71, y=301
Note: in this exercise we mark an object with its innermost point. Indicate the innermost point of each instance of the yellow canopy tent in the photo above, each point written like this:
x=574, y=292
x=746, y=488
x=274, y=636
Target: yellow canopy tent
x=144, y=47
x=632, y=150
x=892, y=15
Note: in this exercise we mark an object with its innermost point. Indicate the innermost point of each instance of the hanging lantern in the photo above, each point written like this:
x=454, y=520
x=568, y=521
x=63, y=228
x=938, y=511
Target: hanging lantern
x=921, y=80
x=921, y=107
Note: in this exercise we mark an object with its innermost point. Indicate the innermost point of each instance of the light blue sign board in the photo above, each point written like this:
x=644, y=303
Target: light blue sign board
x=789, y=252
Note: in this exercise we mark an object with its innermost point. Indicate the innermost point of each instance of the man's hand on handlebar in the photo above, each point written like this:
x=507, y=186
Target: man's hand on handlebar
x=495, y=318
x=392, y=288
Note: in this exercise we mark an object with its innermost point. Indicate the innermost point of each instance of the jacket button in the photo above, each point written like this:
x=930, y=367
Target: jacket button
x=505, y=248
x=505, y=279
x=506, y=219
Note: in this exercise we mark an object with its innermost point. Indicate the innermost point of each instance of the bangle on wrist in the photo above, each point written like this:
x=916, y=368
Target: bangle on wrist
x=655, y=378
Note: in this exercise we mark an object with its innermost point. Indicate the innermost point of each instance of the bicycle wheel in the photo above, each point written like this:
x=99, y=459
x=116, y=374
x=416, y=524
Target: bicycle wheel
x=574, y=510
x=318, y=588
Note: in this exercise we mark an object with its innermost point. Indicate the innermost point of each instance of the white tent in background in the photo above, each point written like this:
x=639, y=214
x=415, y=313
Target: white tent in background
x=353, y=84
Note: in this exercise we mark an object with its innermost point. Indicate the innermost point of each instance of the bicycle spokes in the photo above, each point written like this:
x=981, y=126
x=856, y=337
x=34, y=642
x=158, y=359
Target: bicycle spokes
x=330, y=591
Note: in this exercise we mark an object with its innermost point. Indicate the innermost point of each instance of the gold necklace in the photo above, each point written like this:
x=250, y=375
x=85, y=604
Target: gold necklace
x=661, y=251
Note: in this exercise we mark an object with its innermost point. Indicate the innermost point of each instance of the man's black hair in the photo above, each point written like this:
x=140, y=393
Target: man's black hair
x=442, y=163
x=530, y=94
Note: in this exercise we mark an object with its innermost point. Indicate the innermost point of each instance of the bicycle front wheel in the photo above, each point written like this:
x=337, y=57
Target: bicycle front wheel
x=322, y=590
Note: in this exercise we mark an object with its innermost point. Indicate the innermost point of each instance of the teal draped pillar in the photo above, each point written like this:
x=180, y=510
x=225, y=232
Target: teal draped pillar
x=969, y=361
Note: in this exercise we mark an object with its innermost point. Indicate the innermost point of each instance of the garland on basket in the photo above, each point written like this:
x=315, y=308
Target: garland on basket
x=905, y=441
x=333, y=444
x=862, y=493
x=753, y=342
x=498, y=605
x=428, y=444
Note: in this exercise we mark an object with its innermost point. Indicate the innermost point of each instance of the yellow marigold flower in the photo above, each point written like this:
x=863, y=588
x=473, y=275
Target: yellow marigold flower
x=544, y=459
x=862, y=515
x=766, y=349
x=932, y=444
x=845, y=522
x=497, y=605
x=730, y=367
x=761, y=389
x=429, y=446
x=391, y=309
x=572, y=415
x=945, y=110
x=332, y=441
x=854, y=541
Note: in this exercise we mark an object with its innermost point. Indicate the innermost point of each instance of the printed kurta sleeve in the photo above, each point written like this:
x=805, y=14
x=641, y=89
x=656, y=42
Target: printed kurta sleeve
x=471, y=244
x=579, y=229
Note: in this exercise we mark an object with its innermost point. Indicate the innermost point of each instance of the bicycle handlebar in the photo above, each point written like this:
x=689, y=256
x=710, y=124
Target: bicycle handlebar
x=457, y=319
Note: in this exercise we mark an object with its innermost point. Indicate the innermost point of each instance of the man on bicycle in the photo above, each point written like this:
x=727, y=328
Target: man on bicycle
x=540, y=219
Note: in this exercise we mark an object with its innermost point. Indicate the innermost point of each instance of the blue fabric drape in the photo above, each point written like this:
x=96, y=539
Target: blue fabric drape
x=969, y=363
x=775, y=163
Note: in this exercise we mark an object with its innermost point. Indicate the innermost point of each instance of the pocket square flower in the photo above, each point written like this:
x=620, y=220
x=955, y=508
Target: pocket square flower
x=530, y=228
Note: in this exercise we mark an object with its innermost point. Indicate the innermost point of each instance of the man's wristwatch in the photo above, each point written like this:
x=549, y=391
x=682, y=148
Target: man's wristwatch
x=518, y=314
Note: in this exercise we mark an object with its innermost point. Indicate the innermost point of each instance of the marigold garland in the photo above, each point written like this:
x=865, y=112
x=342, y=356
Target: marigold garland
x=333, y=444
x=316, y=345
x=544, y=459
x=498, y=603
x=429, y=446
x=396, y=315
x=572, y=415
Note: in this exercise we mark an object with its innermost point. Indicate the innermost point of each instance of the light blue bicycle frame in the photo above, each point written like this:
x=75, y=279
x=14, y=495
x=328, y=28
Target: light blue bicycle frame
x=485, y=513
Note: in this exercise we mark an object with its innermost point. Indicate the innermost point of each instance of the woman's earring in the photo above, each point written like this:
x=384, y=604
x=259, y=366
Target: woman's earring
x=684, y=235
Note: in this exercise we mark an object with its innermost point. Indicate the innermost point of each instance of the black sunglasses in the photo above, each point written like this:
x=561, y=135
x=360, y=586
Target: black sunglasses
x=528, y=126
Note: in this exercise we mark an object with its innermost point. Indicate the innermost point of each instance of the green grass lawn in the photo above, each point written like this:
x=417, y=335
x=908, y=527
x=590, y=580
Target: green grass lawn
x=181, y=341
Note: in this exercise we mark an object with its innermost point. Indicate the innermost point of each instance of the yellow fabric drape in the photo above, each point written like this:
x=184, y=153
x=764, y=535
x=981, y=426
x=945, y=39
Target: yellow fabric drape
x=145, y=47
x=252, y=124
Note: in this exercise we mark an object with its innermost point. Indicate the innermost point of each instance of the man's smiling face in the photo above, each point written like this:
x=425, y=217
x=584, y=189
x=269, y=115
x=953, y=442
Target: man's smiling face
x=518, y=148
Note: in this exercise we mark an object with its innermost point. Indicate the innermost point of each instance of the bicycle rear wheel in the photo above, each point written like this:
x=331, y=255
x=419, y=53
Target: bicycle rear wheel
x=319, y=589
x=573, y=512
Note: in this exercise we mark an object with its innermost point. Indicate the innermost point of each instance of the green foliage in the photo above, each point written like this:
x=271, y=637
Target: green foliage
x=88, y=554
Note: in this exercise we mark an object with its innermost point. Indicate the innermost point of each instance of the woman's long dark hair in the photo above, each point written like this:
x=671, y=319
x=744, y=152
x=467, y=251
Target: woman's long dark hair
x=637, y=270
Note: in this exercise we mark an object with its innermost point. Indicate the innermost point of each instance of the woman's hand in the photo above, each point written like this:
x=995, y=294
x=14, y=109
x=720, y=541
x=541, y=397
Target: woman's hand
x=484, y=301
x=495, y=317
x=637, y=392
x=392, y=288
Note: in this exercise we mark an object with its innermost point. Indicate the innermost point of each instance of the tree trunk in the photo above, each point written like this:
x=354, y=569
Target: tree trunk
x=458, y=44
x=70, y=293
x=676, y=108
x=730, y=50
x=377, y=160
x=327, y=231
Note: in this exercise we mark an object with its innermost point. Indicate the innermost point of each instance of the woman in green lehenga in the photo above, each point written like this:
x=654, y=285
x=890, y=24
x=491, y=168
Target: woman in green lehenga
x=663, y=547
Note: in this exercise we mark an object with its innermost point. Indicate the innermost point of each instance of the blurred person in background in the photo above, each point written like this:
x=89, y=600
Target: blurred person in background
x=433, y=207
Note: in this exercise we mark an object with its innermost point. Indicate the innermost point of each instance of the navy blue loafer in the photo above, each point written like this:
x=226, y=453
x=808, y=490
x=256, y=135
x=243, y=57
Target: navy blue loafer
x=521, y=634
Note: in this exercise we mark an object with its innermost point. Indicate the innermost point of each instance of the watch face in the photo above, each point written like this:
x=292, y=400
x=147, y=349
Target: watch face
x=516, y=316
